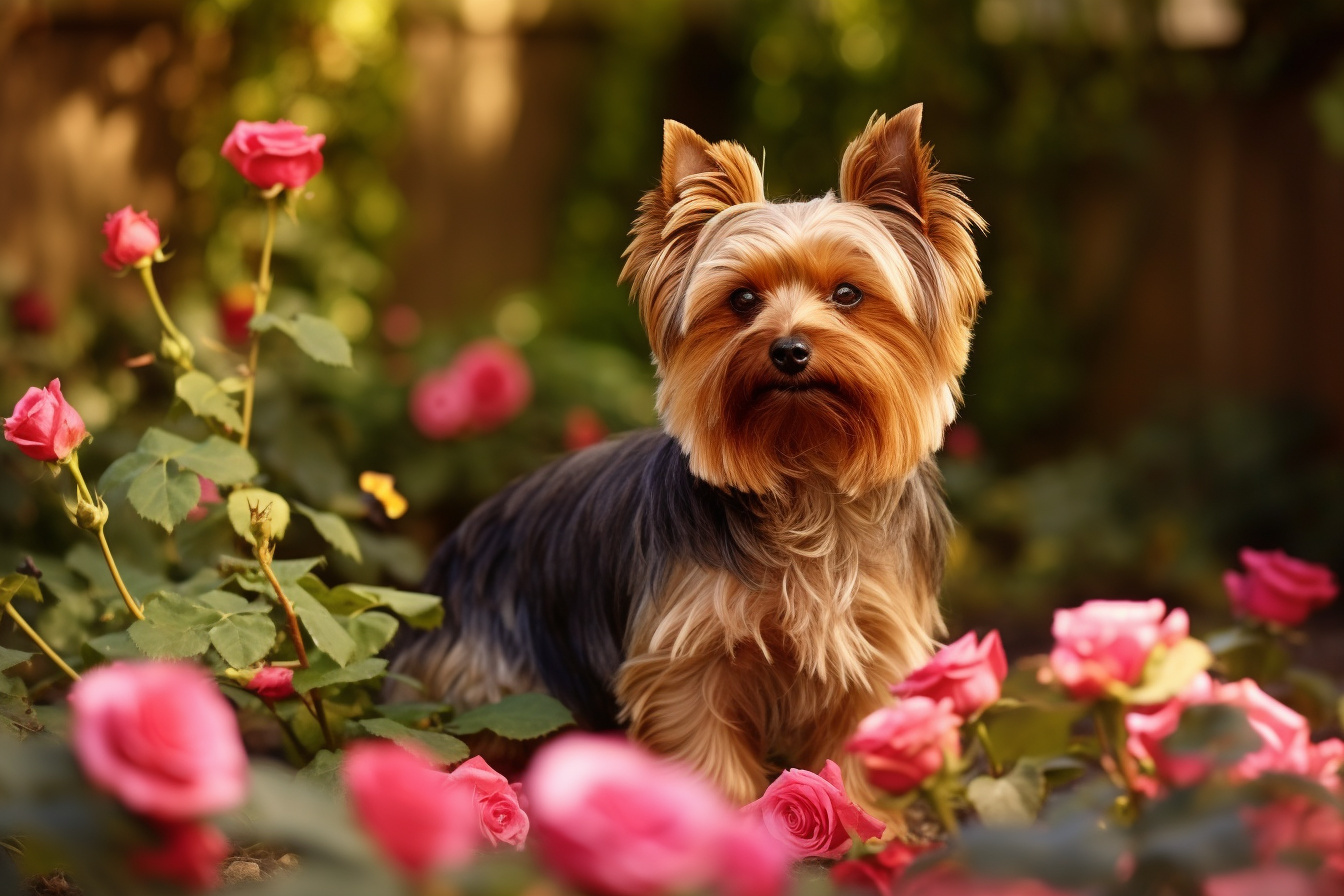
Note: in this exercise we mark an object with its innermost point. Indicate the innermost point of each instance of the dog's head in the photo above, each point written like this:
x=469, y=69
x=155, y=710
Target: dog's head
x=800, y=340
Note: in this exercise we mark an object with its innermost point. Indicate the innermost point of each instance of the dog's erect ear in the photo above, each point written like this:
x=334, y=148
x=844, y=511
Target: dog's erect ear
x=722, y=174
x=888, y=167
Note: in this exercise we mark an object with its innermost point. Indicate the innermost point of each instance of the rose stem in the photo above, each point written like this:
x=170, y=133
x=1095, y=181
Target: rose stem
x=148, y=277
x=294, y=633
x=102, y=540
x=263, y=295
x=37, y=639
x=982, y=733
x=943, y=810
x=1116, y=750
x=289, y=731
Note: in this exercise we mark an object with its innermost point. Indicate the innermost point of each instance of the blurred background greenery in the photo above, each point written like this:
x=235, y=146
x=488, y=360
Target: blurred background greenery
x=1156, y=379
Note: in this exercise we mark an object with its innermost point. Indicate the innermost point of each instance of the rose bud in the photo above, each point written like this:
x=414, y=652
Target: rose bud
x=189, y=855
x=969, y=675
x=904, y=744
x=497, y=802
x=811, y=815
x=44, y=426
x=1107, y=642
x=131, y=238
x=1279, y=588
x=272, y=683
x=271, y=154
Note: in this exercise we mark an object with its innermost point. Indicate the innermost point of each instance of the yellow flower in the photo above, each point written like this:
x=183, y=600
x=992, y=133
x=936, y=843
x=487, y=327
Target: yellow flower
x=383, y=487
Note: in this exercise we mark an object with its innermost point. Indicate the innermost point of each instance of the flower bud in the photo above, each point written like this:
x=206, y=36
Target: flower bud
x=260, y=524
x=175, y=350
x=90, y=515
x=132, y=239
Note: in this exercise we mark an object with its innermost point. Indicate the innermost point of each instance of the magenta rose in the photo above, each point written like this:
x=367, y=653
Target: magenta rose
x=497, y=801
x=189, y=854
x=160, y=737
x=485, y=386
x=272, y=683
x=1107, y=642
x=419, y=816
x=877, y=873
x=811, y=815
x=903, y=744
x=44, y=426
x=1279, y=588
x=131, y=237
x=969, y=674
x=274, y=153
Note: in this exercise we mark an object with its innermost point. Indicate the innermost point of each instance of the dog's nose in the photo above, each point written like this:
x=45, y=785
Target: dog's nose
x=790, y=354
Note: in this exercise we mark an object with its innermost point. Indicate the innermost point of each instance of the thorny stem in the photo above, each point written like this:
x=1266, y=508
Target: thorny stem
x=186, y=350
x=263, y=295
x=42, y=645
x=86, y=495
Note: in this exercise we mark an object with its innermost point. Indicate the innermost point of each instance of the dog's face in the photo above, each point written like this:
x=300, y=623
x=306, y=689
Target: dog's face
x=806, y=340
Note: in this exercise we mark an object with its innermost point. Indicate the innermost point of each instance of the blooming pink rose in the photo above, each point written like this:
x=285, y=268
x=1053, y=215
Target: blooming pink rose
x=160, y=737
x=209, y=495
x=420, y=817
x=502, y=817
x=879, y=873
x=969, y=675
x=612, y=819
x=1279, y=588
x=131, y=236
x=189, y=855
x=1106, y=642
x=485, y=386
x=902, y=744
x=811, y=815
x=272, y=683
x=1279, y=880
x=271, y=153
x=44, y=425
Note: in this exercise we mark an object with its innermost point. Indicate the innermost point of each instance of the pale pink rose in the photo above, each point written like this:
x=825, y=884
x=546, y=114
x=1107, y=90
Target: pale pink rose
x=1279, y=588
x=969, y=674
x=811, y=815
x=270, y=153
x=419, y=816
x=44, y=426
x=209, y=495
x=903, y=744
x=272, y=683
x=497, y=801
x=1107, y=642
x=189, y=854
x=485, y=386
x=1278, y=880
x=879, y=873
x=160, y=737
x=131, y=236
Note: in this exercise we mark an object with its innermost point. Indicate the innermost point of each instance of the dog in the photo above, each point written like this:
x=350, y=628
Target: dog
x=740, y=588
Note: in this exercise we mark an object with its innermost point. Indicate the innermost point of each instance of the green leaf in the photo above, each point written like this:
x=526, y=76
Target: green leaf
x=227, y=602
x=316, y=337
x=1218, y=732
x=325, y=631
x=324, y=771
x=410, y=714
x=324, y=672
x=517, y=717
x=125, y=468
x=443, y=747
x=419, y=610
x=17, y=718
x=11, y=658
x=109, y=647
x=206, y=399
x=16, y=584
x=333, y=528
x=1014, y=799
x=371, y=631
x=243, y=639
x=240, y=514
x=1170, y=671
x=173, y=628
x=163, y=496
x=219, y=460
x=163, y=445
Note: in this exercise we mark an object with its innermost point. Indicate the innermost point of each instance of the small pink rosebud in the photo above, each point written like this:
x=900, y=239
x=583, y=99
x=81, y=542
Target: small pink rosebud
x=272, y=683
x=1279, y=588
x=969, y=674
x=1107, y=642
x=271, y=154
x=811, y=815
x=131, y=237
x=904, y=744
x=44, y=426
x=189, y=854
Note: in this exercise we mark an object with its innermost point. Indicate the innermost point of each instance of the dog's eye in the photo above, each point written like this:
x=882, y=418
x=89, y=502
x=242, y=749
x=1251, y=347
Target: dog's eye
x=744, y=301
x=846, y=296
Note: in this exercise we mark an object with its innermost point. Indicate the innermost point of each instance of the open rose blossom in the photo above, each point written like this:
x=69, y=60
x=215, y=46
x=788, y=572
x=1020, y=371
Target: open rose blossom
x=612, y=819
x=811, y=815
x=131, y=237
x=270, y=153
x=497, y=801
x=969, y=674
x=160, y=737
x=421, y=818
x=903, y=744
x=1279, y=588
x=189, y=855
x=44, y=426
x=484, y=387
x=879, y=873
x=272, y=683
x=1107, y=642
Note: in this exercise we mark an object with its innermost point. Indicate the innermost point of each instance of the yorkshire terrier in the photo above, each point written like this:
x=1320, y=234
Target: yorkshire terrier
x=740, y=588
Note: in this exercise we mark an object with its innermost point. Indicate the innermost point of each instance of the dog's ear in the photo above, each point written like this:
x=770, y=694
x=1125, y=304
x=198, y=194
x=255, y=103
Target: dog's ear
x=888, y=166
x=699, y=180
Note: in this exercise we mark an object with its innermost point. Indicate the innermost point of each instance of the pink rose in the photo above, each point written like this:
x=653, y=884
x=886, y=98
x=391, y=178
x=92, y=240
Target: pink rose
x=811, y=815
x=421, y=818
x=1280, y=880
x=497, y=801
x=272, y=683
x=1278, y=588
x=274, y=153
x=612, y=819
x=44, y=426
x=209, y=495
x=879, y=873
x=485, y=386
x=160, y=737
x=969, y=675
x=903, y=744
x=131, y=237
x=1107, y=642
x=189, y=855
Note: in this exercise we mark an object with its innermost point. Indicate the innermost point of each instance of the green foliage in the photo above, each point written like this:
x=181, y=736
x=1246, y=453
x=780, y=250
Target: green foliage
x=317, y=337
x=517, y=717
x=333, y=528
x=242, y=500
x=443, y=747
x=207, y=398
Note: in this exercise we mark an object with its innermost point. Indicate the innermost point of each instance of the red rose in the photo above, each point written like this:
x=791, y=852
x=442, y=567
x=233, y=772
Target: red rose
x=497, y=802
x=189, y=855
x=583, y=428
x=44, y=425
x=1279, y=588
x=272, y=683
x=879, y=873
x=903, y=744
x=1107, y=642
x=274, y=153
x=131, y=237
x=31, y=311
x=160, y=737
x=969, y=675
x=235, y=313
x=811, y=815
x=485, y=386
